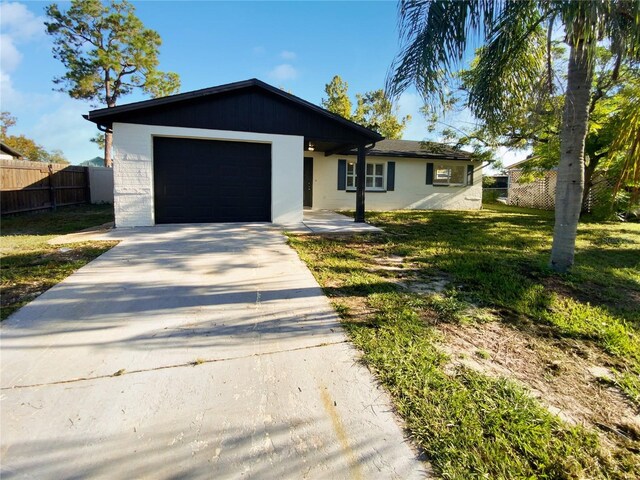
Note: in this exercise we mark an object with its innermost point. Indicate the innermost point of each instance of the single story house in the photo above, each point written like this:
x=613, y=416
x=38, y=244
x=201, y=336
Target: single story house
x=8, y=153
x=248, y=151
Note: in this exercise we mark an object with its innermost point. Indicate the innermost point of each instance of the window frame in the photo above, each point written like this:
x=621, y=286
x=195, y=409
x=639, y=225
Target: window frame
x=443, y=166
x=351, y=177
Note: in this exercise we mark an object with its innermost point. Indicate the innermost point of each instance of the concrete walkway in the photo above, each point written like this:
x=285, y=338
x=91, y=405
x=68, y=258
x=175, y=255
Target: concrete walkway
x=192, y=352
x=314, y=222
x=327, y=221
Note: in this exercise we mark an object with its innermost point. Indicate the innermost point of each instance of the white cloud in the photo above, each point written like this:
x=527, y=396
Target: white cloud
x=52, y=119
x=18, y=25
x=283, y=73
x=63, y=128
x=287, y=55
x=17, y=21
x=7, y=92
x=10, y=57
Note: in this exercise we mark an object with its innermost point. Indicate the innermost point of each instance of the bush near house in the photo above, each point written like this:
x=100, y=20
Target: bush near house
x=500, y=368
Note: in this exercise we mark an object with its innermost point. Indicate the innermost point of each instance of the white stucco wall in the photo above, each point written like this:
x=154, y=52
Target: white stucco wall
x=133, y=170
x=411, y=191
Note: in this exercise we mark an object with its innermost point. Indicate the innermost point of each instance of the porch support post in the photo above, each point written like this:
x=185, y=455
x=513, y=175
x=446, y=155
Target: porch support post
x=360, y=178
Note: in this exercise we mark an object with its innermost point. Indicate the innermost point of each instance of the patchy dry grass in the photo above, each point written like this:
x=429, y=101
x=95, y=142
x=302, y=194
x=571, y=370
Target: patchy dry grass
x=495, y=362
x=30, y=266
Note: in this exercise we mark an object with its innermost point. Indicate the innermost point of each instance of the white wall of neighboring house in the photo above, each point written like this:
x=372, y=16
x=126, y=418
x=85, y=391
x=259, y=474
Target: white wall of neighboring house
x=411, y=190
x=133, y=170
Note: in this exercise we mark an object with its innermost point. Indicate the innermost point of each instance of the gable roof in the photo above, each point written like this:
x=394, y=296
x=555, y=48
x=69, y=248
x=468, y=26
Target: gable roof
x=416, y=149
x=271, y=110
x=7, y=149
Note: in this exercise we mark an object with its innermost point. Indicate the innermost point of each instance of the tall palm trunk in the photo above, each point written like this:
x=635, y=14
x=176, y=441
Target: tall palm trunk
x=570, y=183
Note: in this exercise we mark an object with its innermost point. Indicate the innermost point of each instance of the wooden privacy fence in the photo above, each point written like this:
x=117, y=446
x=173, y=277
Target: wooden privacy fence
x=27, y=186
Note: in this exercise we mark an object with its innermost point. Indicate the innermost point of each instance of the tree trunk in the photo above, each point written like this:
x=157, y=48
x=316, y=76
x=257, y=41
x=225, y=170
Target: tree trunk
x=570, y=183
x=589, y=170
x=108, y=141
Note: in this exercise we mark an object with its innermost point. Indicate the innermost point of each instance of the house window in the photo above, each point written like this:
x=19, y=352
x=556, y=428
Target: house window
x=374, y=176
x=449, y=174
x=351, y=175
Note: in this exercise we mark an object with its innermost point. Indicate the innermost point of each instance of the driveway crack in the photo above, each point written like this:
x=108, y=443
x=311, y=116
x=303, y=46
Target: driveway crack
x=122, y=372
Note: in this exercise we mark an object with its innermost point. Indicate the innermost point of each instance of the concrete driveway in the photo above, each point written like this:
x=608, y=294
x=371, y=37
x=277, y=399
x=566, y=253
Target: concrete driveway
x=198, y=351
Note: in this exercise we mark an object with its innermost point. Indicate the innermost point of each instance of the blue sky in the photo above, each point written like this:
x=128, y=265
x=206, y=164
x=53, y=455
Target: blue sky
x=298, y=46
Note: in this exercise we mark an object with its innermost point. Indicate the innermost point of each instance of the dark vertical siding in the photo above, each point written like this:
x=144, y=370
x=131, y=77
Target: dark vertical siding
x=245, y=110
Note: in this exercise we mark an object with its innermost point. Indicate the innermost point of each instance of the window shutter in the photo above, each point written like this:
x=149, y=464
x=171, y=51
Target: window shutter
x=342, y=174
x=391, y=176
x=469, y=174
x=429, y=173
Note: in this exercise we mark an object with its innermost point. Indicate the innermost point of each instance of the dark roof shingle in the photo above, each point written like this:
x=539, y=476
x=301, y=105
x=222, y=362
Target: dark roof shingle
x=416, y=149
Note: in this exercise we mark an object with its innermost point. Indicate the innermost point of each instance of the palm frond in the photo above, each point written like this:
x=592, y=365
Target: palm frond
x=627, y=141
x=434, y=35
x=512, y=66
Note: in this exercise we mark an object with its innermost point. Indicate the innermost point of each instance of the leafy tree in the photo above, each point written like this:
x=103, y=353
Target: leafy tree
x=534, y=124
x=373, y=109
x=99, y=140
x=56, y=156
x=626, y=143
x=436, y=34
x=108, y=53
x=6, y=121
x=337, y=100
x=26, y=146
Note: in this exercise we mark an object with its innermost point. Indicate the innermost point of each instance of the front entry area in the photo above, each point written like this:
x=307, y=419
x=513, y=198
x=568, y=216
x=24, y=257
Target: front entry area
x=307, y=196
x=208, y=181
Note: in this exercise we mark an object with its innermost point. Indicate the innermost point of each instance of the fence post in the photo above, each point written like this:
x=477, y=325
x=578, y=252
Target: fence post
x=52, y=189
x=87, y=191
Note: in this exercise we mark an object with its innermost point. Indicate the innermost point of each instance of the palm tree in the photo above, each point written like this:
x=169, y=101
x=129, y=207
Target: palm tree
x=435, y=36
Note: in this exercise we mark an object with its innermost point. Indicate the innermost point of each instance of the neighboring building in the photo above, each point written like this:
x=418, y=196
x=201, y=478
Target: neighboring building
x=540, y=193
x=8, y=153
x=94, y=162
x=497, y=181
x=248, y=151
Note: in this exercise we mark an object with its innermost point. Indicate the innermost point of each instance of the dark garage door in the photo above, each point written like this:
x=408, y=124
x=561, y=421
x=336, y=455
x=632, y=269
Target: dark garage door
x=199, y=181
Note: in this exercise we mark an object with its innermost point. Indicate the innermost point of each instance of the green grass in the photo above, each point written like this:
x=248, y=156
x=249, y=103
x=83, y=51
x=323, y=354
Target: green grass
x=30, y=265
x=470, y=425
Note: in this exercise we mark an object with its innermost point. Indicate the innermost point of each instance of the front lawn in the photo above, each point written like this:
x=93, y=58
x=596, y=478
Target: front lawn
x=501, y=368
x=30, y=266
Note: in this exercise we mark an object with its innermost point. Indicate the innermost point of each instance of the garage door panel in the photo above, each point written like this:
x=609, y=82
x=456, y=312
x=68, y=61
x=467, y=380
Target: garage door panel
x=204, y=181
